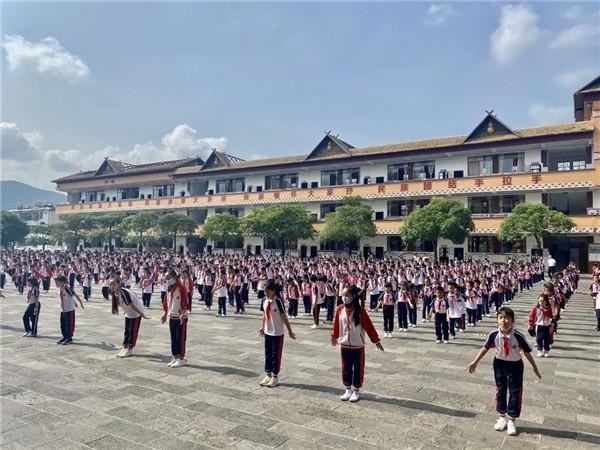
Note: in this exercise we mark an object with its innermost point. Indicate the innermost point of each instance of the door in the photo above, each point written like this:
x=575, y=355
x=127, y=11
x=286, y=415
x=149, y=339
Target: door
x=459, y=253
x=303, y=251
x=257, y=250
x=313, y=251
x=379, y=252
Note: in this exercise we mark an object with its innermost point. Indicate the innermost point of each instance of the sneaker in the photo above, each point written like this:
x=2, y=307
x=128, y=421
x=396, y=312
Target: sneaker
x=28, y=333
x=60, y=341
x=273, y=382
x=120, y=354
x=390, y=335
x=511, y=429
x=171, y=362
x=127, y=353
x=501, y=424
x=423, y=321
x=265, y=380
x=446, y=341
x=438, y=341
x=547, y=354
x=385, y=335
x=354, y=397
x=346, y=395
x=314, y=326
x=178, y=363
x=540, y=353
x=453, y=336
x=67, y=341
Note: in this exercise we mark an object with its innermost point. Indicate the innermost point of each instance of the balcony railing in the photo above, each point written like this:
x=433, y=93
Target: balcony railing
x=493, y=184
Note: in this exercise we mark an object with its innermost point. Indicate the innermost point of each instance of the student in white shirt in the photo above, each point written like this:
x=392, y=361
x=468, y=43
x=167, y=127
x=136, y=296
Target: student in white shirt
x=274, y=320
x=134, y=313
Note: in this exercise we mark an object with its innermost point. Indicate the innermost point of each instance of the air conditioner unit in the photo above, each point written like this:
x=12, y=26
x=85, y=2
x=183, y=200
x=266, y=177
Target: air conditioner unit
x=405, y=176
x=258, y=188
x=354, y=180
x=293, y=185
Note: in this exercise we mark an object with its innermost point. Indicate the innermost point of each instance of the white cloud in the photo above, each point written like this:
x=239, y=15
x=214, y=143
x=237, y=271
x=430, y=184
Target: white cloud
x=437, y=14
x=184, y=141
x=573, y=13
x=517, y=32
x=45, y=57
x=575, y=79
x=580, y=35
x=15, y=145
x=24, y=151
x=544, y=114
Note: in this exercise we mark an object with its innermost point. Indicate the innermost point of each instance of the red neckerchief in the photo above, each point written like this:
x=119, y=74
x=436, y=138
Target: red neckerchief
x=505, y=343
x=267, y=309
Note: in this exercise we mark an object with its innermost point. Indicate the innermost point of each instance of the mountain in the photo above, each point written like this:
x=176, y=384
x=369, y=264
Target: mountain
x=14, y=192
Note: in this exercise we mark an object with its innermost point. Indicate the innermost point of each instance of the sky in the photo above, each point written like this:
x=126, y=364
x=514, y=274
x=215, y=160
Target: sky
x=142, y=82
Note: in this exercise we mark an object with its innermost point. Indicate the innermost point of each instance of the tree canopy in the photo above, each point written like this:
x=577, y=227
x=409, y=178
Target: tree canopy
x=174, y=225
x=441, y=218
x=139, y=224
x=280, y=222
x=534, y=219
x=12, y=229
x=350, y=222
x=221, y=228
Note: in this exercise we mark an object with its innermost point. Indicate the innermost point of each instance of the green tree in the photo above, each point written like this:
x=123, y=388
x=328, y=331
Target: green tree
x=350, y=222
x=283, y=223
x=221, y=228
x=13, y=230
x=534, y=219
x=173, y=224
x=441, y=218
x=40, y=235
x=111, y=222
x=139, y=224
x=76, y=228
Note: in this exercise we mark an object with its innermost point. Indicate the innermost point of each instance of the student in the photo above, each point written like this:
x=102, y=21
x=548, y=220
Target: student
x=427, y=297
x=350, y=323
x=207, y=289
x=273, y=321
x=439, y=309
x=541, y=318
x=387, y=301
x=175, y=307
x=146, y=284
x=67, y=297
x=402, y=305
x=508, y=344
x=220, y=290
x=594, y=291
x=292, y=292
x=134, y=313
x=32, y=312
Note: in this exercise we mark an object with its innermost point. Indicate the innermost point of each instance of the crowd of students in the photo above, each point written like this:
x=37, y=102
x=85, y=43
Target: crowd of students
x=453, y=295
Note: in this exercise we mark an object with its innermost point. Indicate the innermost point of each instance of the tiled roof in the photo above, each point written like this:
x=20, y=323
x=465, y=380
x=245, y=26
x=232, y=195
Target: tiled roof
x=120, y=168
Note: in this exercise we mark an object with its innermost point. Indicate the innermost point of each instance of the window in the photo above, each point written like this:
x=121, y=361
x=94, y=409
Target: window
x=94, y=196
x=491, y=244
x=327, y=208
x=277, y=244
x=420, y=170
x=337, y=177
x=286, y=181
x=479, y=205
x=511, y=162
x=163, y=190
x=480, y=165
x=237, y=212
x=402, y=208
x=578, y=165
x=230, y=185
x=125, y=193
x=394, y=243
x=564, y=165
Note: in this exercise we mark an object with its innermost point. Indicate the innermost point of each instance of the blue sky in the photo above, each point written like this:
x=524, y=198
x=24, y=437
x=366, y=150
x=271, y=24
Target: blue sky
x=147, y=81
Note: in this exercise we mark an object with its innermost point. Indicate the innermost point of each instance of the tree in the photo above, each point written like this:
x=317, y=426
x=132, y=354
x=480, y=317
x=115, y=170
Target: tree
x=350, y=222
x=13, y=229
x=221, y=228
x=40, y=235
x=441, y=218
x=534, y=219
x=140, y=224
x=76, y=228
x=111, y=222
x=280, y=222
x=174, y=225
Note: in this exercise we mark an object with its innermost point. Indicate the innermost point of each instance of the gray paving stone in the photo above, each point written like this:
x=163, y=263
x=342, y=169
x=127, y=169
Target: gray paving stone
x=416, y=395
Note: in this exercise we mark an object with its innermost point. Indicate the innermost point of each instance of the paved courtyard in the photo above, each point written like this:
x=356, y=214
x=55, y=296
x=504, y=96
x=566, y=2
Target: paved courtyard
x=416, y=394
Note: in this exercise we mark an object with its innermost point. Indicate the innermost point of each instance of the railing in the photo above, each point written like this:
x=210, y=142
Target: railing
x=492, y=184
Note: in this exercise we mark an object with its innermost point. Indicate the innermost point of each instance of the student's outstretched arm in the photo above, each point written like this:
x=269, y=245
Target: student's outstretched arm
x=471, y=367
x=533, y=364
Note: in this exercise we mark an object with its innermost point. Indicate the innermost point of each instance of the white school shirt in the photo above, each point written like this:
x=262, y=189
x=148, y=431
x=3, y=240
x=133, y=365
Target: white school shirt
x=67, y=299
x=507, y=347
x=126, y=304
x=272, y=309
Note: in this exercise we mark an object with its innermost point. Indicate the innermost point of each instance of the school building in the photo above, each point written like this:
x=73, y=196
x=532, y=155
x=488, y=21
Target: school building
x=490, y=170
